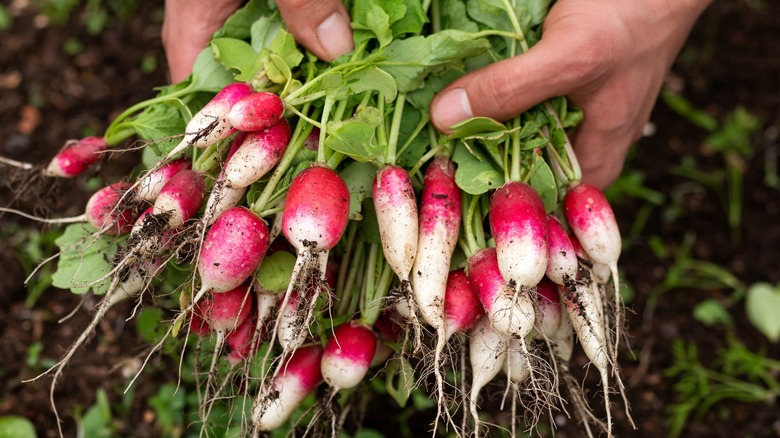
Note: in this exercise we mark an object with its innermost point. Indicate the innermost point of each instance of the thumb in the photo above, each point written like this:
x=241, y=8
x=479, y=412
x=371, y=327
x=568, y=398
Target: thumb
x=322, y=26
x=507, y=88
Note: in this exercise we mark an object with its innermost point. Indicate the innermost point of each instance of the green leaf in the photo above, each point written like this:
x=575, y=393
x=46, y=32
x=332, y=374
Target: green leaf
x=85, y=257
x=492, y=14
x=711, y=312
x=413, y=20
x=355, y=137
x=477, y=127
x=762, y=305
x=284, y=46
x=454, y=16
x=263, y=32
x=97, y=420
x=208, y=74
x=411, y=60
x=359, y=178
x=277, y=69
x=13, y=426
x=421, y=98
x=399, y=380
x=369, y=224
x=237, y=55
x=543, y=181
x=168, y=404
x=239, y=24
x=274, y=273
x=370, y=78
x=475, y=174
x=149, y=324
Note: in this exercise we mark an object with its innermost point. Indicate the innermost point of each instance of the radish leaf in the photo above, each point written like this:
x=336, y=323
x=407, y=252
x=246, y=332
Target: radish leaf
x=84, y=258
x=762, y=304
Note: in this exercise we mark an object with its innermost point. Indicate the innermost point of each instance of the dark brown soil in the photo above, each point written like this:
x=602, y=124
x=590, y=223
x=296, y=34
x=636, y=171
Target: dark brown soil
x=48, y=96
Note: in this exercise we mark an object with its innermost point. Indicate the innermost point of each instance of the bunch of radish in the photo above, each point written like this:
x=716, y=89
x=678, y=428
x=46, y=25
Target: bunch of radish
x=331, y=237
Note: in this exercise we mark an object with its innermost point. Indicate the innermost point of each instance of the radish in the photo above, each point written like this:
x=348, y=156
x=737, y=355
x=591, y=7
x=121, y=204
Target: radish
x=245, y=340
x=225, y=311
x=256, y=112
x=462, y=308
x=440, y=212
x=487, y=354
x=209, y=125
x=294, y=380
x=562, y=258
x=180, y=198
x=316, y=212
x=149, y=187
x=76, y=157
x=258, y=153
x=518, y=222
x=222, y=197
x=289, y=332
x=516, y=366
x=396, y=212
x=232, y=249
x=198, y=323
x=348, y=355
x=549, y=304
x=388, y=329
x=105, y=213
x=509, y=312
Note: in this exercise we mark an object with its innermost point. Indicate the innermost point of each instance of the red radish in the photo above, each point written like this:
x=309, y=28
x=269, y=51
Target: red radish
x=227, y=310
x=549, y=317
x=105, y=213
x=510, y=313
x=591, y=219
x=389, y=330
x=348, y=355
x=295, y=379
x=440, y=212
x=396, y=212
x=257, y=155
x=232, y=249
x=312, y=141
x=256, y=111
x=487, y=354
x=562, y=258
x=209, y=125
x=181, y=197
x=245, y=340
x=222, y=197
x=518, y=222
x=76, y=157
x=149, y=187
x=316, y=212
x=198, y=323
x=462, y=308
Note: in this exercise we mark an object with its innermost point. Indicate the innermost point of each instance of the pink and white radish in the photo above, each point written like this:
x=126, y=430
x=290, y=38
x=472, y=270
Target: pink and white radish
x=232, y=250
x=316, y=212
x=487, y=354
x=549, y=317
x=289, y=332
x=150, y=185
x=257, y=155
x=222, y=197
x=509, y=311
x=76, y=157
x=180, y=198
x=294, y=380
x=440, y=213
x=245, y=340
x=256, y=112
x=462, y=308
x=210, y=125
x=348, y=355
x=105, y=211
x=562, y=260
x=518, y=222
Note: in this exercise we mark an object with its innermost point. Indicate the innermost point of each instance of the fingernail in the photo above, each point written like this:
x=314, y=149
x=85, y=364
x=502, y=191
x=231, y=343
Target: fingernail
x=452, y=107
x=335, y=36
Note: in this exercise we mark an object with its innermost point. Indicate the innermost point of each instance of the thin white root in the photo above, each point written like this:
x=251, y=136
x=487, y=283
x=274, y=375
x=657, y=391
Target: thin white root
x=14, y=163
x=63, y=220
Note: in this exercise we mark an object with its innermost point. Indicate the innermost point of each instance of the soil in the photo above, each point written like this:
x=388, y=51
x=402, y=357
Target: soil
x=59, y=82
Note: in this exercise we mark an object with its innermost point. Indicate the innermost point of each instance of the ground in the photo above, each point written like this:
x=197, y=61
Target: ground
x=59, y=81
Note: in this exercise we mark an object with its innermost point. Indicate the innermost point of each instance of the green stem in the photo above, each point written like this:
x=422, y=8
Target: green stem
x=113, y=138
x=469, y=206
x=395, y=129
x=373, y=308
x=329, y=101
x=423, y=122
x=352, y=229
x=514, y=173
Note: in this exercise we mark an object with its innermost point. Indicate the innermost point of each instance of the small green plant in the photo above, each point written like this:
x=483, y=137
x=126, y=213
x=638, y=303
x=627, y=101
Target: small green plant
x=13, y=426
x=762, y=305
x=736, y=374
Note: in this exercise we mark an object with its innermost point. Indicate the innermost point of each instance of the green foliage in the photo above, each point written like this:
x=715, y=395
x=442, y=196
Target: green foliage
x=85, y=259
x=13, y=426
x=6, y=21
x=762, y=304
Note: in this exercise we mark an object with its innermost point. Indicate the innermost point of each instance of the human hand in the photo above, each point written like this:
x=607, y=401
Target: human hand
x=608, y=58
x=322, y=26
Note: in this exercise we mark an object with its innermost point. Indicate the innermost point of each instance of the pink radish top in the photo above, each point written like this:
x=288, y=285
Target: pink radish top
x=440, y=200
x=316, y=210
x=76, y=157
x=232, y=249
x=462, y=308
x=229, y=309
x=562, y=258
x=485, y=278
x=181, y=197
x=591, y=219
x=518, y=222
x=241, y=340
x=104, y=213
x=151, y=184
x=348, y=355
x=221, y=104
x=303, y=369
x=256, y=111
x=550, y=307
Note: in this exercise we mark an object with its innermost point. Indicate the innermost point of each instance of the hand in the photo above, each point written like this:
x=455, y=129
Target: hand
x=608, y=58
x=322, y=26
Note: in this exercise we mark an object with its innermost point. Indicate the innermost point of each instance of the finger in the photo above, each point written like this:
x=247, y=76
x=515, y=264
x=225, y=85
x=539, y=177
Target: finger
x=560, y=63
x=322, y=26
x=601, y=154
